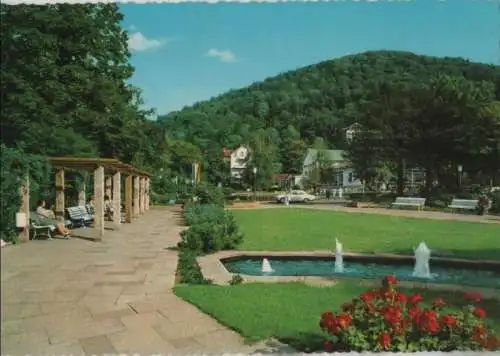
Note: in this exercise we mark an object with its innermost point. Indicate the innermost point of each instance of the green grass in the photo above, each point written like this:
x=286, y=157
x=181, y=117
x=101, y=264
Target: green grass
x=289, y=311
x=307, y=229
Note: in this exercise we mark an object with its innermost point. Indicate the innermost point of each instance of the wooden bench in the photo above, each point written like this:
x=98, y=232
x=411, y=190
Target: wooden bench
x=79, y=216
x=463, y=204
x=419, y=203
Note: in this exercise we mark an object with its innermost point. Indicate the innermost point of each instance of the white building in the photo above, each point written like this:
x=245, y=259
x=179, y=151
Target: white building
x=344, y=175
x=238, y=160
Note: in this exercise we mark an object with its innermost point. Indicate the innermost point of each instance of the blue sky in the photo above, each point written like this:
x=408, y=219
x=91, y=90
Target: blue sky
x=184, y=53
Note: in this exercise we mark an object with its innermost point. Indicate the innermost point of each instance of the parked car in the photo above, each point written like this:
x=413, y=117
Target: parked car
x=295, y=196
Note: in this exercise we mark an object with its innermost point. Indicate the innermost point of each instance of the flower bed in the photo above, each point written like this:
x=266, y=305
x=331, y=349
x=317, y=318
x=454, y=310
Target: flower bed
x=387, y=320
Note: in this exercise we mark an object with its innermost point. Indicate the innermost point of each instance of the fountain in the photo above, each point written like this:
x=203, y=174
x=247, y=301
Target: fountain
x=422, y=256
x=266, y=266
x=339, y=261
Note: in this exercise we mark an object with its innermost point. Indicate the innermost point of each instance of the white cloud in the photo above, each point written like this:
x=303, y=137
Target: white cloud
x=223, y=55
x=137, y=42
x=132, y=28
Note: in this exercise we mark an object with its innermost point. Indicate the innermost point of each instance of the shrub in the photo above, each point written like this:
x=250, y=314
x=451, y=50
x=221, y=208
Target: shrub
x=188, y=269
x=15, y=166
x=236, y=279
x=495, y=202
x=211, y=229
x=209, y=194
x=386, y=320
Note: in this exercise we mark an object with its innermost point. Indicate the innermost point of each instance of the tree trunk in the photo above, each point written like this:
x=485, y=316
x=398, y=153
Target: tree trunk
x=400, y=180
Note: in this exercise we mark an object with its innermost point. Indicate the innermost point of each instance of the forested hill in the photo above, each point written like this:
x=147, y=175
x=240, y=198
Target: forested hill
x=318, y=100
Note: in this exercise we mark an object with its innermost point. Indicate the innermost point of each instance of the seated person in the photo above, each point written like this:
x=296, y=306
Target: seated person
x=108, y=207
x=90, y=206
x=48, y=216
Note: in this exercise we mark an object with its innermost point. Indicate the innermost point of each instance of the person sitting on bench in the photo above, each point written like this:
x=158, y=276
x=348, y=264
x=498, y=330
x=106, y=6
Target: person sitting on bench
x=48, y=216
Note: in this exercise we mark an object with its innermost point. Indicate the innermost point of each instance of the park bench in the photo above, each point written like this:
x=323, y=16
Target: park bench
x=79, y=216
x=419, y=203
x=38, y=228
x=463, y=204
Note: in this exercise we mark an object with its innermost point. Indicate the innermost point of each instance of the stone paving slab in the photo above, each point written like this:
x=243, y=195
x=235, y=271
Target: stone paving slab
x=113, y=296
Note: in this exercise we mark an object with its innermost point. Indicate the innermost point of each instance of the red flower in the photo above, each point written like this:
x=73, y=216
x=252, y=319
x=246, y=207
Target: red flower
x=344, y=320
x=414, y=299
x=390, y=279
x=367, y=297
x=479, y=334
x=384, y=340
x=428, y=321
x=328, y=346
x=401, y=298
x=392, y=315
x=448, y=320
x=492, y=342
x=438, y=303
x=473, y=297
x=479, y=313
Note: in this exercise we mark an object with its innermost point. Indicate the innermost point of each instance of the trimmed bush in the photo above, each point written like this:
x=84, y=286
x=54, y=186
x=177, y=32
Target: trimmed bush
x=188, y=269
x=211, y=229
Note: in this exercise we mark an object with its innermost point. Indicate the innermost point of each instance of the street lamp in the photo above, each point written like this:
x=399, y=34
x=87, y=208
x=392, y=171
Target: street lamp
x=254, y=170
x=460, y=169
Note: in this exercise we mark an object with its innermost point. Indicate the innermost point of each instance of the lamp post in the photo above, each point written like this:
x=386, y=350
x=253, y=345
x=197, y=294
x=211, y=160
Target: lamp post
x=254, y=183
x=460, y=169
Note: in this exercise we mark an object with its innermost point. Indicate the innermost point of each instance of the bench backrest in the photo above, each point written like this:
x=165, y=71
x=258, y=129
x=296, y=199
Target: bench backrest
x=464, y=202
x=75, y=213
x=34, y=217
x=409, y=200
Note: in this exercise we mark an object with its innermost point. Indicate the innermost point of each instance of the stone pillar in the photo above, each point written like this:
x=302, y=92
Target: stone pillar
x=146, y=205
x=142, y=190
x=117, y=200
x=128, y=199
x=24, y=191
x=99, y=201
x=82, y=199
x=136, y=197
x=59, y=194
x=108, y=186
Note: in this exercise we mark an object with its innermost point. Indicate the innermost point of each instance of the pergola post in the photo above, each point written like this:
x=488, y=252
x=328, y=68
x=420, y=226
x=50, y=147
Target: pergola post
x=59, y=194
x=117, y=200
x=82, y=200
x=146, y=205
x=24, y=191
x=108, y=186
x=136, y=196
x=128, y=199
x=142, y=189
x=99, y=200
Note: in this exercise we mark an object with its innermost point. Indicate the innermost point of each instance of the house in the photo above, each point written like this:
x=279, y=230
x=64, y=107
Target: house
x=237, y=159
x=351, y=131
x=344, y=175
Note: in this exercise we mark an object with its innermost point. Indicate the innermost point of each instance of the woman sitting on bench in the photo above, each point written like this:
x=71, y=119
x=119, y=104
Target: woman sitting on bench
x=48, y=216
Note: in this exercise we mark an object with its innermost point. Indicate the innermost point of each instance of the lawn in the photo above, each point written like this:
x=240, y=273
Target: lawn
x=289, y=311
x=298, y=229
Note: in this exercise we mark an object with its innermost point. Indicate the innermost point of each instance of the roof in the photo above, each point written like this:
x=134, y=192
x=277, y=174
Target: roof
x=329, y=155
x=80, y=163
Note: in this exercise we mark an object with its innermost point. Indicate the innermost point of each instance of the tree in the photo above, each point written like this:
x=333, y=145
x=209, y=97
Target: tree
x=292, y=151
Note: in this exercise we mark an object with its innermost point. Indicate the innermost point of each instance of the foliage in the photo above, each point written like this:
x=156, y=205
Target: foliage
x=495, y=202
x=188, y=269
x=211, y=229
x=387, y=320
x=298, y=229
x=321, y=100
x=483, y=205
x=16, y=166
x=236, y=279
x=209, y=194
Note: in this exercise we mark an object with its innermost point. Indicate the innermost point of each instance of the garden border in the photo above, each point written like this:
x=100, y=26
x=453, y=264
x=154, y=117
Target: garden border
x=213, y=269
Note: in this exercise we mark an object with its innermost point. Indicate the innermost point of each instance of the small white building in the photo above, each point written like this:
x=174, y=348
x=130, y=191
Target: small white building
x=344, y=175
x=238, y=160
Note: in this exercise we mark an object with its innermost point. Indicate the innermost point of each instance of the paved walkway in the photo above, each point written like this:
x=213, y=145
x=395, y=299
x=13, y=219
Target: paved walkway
x=81, y=297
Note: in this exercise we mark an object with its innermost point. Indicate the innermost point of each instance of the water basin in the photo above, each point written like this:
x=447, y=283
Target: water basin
x=364, y=268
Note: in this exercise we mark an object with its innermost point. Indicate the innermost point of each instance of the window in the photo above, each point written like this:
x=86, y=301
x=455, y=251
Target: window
x=350, y=177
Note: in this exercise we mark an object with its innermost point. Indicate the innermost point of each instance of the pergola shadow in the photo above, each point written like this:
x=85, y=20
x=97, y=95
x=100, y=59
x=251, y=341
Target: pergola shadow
x=107, y=181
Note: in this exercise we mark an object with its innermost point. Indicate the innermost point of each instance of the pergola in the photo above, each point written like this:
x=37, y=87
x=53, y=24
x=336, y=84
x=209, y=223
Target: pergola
x=107, y=181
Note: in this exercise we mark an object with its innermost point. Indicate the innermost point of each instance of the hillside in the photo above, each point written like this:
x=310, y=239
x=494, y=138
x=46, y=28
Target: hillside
x=318, y=100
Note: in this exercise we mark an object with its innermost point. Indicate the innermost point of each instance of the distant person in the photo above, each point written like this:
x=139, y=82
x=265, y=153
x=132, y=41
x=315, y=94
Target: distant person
x=48, y=216
x=108, y=207
x=328, y=194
